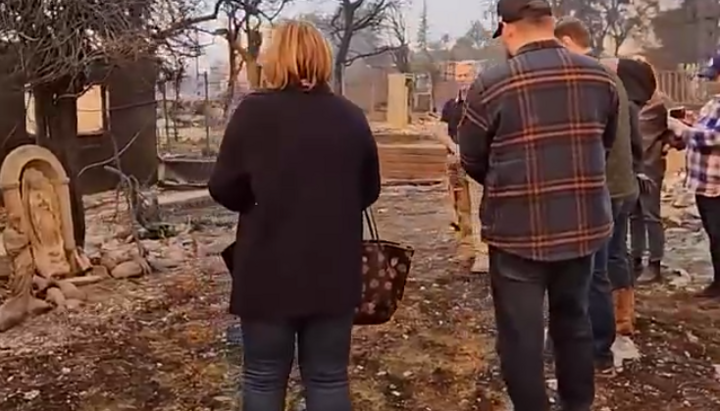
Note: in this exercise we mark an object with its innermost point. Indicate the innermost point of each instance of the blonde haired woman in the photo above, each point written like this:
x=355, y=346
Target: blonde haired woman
x=299, y=164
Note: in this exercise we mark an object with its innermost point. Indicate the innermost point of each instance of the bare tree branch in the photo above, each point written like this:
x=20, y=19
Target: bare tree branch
x=349, y=60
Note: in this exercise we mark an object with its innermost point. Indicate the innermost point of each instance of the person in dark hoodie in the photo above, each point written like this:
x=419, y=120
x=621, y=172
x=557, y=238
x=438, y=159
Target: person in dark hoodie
x=624, y=163
x=646, y=228
x=639, y=81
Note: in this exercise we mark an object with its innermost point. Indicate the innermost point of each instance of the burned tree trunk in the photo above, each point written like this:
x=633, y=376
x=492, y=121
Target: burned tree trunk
x=57, y=113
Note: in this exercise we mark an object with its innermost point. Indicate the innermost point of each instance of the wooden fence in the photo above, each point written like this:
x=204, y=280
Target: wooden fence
x=683, y=87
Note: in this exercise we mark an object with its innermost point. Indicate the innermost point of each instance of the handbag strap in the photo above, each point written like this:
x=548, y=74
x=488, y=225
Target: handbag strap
x=372, y=226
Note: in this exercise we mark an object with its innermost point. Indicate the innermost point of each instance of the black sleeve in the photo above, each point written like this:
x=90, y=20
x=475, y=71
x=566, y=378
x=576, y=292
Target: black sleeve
x=636, y=142
x=475, y=133
x=447, y=111
x=229, y=183
x=370, y=184
x=612, y=123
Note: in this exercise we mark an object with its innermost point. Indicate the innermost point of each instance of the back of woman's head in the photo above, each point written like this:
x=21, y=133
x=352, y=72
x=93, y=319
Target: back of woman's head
x=298, y=56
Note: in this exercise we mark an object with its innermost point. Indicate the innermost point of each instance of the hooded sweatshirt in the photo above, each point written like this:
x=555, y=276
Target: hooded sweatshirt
x=640, y=83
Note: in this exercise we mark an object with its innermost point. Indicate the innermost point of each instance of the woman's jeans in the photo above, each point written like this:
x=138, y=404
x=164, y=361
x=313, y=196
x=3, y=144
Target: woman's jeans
x=323, y=356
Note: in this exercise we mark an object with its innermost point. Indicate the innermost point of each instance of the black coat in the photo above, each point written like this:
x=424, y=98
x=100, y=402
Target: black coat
x=299, y=167
x=451, y=114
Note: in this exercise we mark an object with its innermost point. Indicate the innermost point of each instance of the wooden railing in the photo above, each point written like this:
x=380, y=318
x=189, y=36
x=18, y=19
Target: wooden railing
x=683, y=87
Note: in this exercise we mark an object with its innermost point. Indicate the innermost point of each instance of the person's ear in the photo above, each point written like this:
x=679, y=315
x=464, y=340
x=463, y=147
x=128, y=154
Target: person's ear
x=566, y=41
x=508, y=30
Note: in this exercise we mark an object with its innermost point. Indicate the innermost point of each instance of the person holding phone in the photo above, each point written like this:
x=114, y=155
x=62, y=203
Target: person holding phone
x=702, y=138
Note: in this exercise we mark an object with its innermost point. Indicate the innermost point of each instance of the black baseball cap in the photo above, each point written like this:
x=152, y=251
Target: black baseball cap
x=510, y=11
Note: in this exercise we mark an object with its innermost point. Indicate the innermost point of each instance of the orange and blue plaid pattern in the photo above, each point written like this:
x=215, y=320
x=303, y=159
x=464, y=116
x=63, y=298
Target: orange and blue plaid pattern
x=535, y=133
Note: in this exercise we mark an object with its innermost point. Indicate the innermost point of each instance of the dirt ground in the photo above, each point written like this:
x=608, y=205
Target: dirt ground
x=159, y=343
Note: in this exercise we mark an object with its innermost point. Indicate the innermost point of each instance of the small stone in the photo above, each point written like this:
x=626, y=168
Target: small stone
x=31, y=395
x=100, y=270
x=73, y=304
x=55, y=296
x=128, y=269
x=71, y=291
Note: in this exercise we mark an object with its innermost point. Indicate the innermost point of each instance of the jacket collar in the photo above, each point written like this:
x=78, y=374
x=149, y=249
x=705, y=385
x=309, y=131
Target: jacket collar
x=539, y=45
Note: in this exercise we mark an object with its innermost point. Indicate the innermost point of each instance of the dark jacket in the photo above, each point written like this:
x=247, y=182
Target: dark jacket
x=535, y=134
x=655, y=133
x=640, y=83
x=299, y=167
x=451, y=113
x=621, y=179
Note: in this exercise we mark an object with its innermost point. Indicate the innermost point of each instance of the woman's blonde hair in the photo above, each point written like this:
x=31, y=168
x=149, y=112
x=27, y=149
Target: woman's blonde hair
x=298, y=55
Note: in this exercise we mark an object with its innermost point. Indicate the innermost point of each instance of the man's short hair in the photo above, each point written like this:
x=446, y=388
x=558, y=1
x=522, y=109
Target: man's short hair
x=575, y=29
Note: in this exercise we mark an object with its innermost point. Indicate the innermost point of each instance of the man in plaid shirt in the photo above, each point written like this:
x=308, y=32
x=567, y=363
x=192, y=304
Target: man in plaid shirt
x=535, y=134
x=702, y=140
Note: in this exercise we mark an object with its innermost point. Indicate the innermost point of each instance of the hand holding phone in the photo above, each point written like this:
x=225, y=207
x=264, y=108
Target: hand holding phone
x=678, y=112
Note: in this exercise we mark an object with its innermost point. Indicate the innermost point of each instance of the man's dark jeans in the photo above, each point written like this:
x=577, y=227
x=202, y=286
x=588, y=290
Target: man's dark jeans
x=646, y=228
x=601, y=309
x=323, y=356
x=518, y=287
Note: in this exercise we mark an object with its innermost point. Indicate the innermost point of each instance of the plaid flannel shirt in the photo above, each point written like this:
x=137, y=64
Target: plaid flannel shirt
x=535, y=132
x=703, y=151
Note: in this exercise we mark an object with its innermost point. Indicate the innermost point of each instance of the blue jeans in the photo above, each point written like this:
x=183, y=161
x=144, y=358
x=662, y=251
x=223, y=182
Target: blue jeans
x=619, y=270
x=601, y=308
x=611, y=271
x=323, y=357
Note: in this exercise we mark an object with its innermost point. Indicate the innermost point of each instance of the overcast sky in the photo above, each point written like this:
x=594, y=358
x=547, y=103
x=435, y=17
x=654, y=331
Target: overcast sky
x=445, y=16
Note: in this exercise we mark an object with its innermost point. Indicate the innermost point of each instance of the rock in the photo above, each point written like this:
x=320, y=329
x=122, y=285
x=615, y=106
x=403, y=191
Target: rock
x=13, y=312
x=161, y=264
x=215, y=248
x=152, y=245
x=73, y=304
x=100, y=270
x=70, y=291
x=41, y=283
x=682, y=278
x=127, y=269
x=55, y=296
x=37, y=306
x=112, y=258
